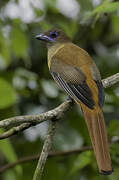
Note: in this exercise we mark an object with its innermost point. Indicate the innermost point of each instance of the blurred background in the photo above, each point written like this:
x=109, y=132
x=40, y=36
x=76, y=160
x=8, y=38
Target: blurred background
x=26, y=87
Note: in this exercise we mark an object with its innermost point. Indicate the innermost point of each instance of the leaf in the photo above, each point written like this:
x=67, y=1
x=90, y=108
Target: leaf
x=4, y=51
x=113, y=129
x=19, y=42
x=81, y=161
x=104, y=7
x=111, y=7
x=9, y=153
x=115, y=151
x=97, y=10
x=38, y=12
x=115, y=24
x=7, y=94
x=51, y=5
x=85, y=5
x=10, y=174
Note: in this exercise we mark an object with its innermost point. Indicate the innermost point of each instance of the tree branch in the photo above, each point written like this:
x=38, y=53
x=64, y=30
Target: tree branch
x=110, y=80
x=50, y=155
x=31, y=120
x=15, y=130
x=56, y=113
x=36, y=157
x=45, y=150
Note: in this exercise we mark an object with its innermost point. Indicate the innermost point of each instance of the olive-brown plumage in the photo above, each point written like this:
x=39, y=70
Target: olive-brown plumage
x=74, y=70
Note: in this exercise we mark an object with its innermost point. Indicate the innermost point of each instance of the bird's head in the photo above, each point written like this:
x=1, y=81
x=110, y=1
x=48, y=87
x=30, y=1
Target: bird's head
x=53, y=36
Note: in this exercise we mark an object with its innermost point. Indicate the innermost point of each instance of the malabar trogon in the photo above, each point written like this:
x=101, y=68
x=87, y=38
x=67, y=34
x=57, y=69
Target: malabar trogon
x=74, y=70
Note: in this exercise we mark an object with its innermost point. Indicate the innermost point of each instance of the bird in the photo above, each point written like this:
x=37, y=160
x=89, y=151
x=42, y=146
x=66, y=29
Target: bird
x=77, y=74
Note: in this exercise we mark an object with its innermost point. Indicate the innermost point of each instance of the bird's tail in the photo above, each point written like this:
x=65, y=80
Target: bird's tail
x=97, y=130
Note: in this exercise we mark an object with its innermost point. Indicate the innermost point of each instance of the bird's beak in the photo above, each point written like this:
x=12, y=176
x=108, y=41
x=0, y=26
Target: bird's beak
x=42, y=37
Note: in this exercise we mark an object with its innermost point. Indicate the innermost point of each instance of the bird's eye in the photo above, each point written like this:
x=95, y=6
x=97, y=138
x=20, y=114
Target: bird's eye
x=53, y=34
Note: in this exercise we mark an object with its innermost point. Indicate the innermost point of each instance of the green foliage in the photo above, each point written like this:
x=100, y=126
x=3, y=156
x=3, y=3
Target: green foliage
x=7, y=94
x=26, y=86
x=4, y=52
x=19, y=42
x=8, y=151
x=83, y=160
x=111, y=7
x=114, y=128
x=105, y=7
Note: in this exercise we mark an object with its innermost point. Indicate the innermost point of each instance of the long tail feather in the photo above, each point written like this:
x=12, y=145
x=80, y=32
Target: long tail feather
x=97, y=130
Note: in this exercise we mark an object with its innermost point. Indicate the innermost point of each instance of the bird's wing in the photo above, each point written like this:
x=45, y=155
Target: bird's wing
x=75, y=82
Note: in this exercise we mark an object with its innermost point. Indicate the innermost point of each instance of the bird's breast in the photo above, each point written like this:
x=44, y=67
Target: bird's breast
x=52, y=51
x=69, y=54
